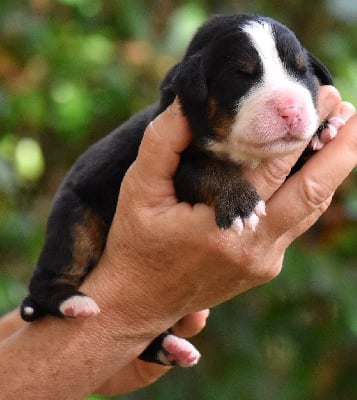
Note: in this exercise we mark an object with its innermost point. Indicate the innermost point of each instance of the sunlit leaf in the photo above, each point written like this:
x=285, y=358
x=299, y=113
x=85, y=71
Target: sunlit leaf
x=184, y=23
x=97, y=49
x=71, y=109
x=29, y=160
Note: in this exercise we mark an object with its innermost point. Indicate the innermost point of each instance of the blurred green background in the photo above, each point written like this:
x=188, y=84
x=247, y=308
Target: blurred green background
x=72, y=70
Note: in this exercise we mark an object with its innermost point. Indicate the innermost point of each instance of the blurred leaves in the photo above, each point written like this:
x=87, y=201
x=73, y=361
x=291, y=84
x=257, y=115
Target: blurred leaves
x=72, y=70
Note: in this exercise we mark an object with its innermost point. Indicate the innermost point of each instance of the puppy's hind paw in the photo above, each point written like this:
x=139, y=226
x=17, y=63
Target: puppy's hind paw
x=79, y=306
x=178, y=351
x=29, y=310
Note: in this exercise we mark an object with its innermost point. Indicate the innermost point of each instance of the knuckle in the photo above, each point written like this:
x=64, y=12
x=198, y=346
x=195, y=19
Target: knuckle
x=315, y=193
x=277, y=170
x=272, y=272
x=225, y=246
x=271, y=265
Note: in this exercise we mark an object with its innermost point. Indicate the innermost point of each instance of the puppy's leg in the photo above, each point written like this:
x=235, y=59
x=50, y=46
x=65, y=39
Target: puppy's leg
x=74, y=241
x=219, y=183
x=168, y=349
x=79, y=305
x=56, y=299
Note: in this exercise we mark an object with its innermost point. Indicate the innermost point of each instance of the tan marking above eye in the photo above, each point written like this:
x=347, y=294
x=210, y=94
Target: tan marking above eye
x=301, y=62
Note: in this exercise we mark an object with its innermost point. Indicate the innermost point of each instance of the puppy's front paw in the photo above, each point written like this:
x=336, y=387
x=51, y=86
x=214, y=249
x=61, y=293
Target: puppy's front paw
x=240, y=208
x=178, y=351
x=78, y=306
x=251, y=222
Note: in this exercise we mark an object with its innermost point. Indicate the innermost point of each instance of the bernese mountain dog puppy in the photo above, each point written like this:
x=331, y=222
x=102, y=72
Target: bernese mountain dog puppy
x=249, y=91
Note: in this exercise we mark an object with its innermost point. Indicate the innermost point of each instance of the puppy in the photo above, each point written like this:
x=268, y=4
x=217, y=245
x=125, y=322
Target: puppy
x=249, y=91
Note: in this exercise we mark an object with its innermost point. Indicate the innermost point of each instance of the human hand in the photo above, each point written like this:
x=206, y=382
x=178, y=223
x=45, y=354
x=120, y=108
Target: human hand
x=187, y=262
x=138, y=373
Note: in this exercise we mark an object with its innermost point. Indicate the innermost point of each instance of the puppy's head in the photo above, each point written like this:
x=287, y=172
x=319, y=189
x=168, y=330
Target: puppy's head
x=248, y=88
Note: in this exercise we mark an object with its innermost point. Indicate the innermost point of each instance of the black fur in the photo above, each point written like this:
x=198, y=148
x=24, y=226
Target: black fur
x=213, y=68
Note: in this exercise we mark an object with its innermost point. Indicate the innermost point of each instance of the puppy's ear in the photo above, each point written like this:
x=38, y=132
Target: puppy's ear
x=320, y=70
x=190, y=81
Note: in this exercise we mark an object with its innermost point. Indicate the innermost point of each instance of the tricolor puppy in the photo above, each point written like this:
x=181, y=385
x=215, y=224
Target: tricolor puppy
x=248, y=89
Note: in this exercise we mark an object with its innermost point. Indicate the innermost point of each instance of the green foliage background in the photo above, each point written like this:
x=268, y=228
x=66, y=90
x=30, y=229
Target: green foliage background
x=70, y=71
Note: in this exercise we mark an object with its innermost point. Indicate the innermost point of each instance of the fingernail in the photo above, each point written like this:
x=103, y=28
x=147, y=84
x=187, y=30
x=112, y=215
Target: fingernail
x=347, y=110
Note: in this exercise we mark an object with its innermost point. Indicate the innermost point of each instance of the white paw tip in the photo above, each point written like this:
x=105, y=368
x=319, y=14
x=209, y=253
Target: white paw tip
x=316, y=144
x=260, y=209
x=238, y=225
x=330, y=133
x=28, y=310
x=79, y=307
x=252, y=221
x=178, y=351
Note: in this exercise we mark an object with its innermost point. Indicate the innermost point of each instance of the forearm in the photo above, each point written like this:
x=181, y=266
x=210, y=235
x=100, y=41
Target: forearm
x=57, y=359
x=67, y=359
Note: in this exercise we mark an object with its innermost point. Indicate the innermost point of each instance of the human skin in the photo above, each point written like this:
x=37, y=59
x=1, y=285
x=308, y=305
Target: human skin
x=137, y=373
x=165, y=260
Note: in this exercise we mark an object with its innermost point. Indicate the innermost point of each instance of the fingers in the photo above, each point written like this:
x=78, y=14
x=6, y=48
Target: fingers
x=192, y=324
x=336, y=120
x=133, y=376
x=140, y=373
x=328, y=98
x=345, y=110
x=271, y=173
x=307, y=194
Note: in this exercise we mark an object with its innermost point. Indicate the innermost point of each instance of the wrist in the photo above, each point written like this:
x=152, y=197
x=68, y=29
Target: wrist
x=132, y=302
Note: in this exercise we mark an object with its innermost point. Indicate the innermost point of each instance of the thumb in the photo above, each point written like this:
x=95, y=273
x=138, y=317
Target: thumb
x=164, y=140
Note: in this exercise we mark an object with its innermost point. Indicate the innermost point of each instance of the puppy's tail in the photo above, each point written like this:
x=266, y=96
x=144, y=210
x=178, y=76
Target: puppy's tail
x=29, y=310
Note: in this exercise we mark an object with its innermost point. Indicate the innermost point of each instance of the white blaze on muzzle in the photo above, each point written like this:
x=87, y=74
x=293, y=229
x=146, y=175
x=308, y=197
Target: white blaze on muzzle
x=276, y=115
